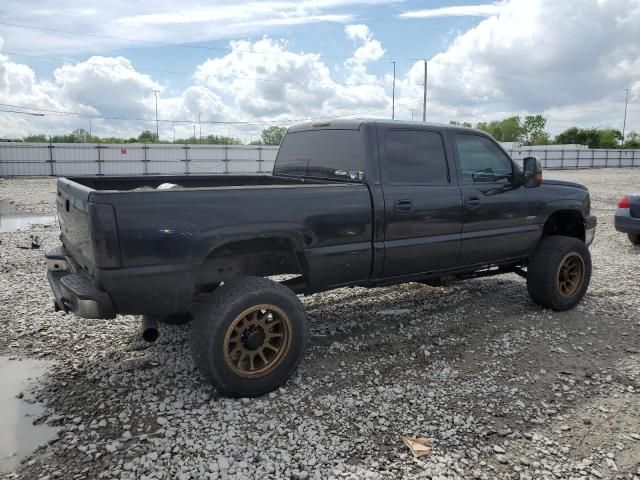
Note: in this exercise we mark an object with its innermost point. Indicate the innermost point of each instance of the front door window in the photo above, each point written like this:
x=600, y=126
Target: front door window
x=481, y=161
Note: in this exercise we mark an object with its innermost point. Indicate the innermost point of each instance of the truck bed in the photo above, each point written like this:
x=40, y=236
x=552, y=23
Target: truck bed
x=186, y=182
x=162, y=240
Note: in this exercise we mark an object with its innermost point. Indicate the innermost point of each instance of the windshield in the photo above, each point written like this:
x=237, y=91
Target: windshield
x=334, y=154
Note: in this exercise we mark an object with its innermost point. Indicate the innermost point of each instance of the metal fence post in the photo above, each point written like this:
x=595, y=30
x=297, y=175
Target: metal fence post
x=145, y=169
x=620, y=158
x=186, y=156
x=546, y=155
x=186, y=160
x=633, y=158
x=260, y=159
x=577, y=158
x=226, y=159
x=51, y=171
x=593, y=155
x=606, y=158
x=561, y=159
x=99, y=160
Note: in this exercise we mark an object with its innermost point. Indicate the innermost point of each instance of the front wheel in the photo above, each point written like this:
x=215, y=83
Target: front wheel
x=559, y=272
x=634, y=238
x=249, y=336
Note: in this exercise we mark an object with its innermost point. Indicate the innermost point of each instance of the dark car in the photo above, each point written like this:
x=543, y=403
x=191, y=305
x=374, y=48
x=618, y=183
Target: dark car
x=349, y=203
x=627, y=218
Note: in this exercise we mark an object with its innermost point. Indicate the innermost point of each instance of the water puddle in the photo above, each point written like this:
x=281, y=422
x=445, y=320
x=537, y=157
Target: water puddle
x=12, y=220
x=18, y=436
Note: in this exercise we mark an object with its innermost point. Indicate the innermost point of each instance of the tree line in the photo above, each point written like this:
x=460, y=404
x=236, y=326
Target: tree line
x=528, y=131
x=269, y=136
x=531, y=131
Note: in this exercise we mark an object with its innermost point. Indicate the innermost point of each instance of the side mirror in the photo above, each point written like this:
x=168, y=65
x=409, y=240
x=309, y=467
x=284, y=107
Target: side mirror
x=532, y=175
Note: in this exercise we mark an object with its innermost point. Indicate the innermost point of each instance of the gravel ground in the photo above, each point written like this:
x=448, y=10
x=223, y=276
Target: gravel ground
x=503, y=388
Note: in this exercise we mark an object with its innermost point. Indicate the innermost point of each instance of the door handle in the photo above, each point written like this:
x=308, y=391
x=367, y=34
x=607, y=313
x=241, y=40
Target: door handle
x=472, y=200
x=402, y=205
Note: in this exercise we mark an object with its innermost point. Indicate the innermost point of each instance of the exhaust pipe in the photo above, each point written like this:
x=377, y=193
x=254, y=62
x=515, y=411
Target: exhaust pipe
x=149, y=329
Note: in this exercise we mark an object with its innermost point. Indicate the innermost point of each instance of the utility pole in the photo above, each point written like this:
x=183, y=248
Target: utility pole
x=393, y=93
x=624, y=124
x=155, y=92
x=200, y=127
x=194, y=133
x=424, y=95
x=412, y=110
x=174, y=131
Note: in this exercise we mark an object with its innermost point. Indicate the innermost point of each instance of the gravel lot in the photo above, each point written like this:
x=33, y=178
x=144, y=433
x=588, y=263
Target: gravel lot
x=503, y=388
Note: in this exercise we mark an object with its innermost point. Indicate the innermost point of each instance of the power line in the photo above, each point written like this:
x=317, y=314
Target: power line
x=24, y=113
x=393, y=93
x=424, y=98
x=624, y=125
x=102, y=117
x=51, y=112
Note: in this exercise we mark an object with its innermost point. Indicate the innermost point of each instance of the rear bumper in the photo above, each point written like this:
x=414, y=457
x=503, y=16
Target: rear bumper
x=625, y=223
x=72, y=288
x=590, y=229
x=157, y=290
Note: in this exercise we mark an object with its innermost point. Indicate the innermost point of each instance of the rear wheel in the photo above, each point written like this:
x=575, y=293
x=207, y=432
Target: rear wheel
x=559, y=272
x=634, y=238
x=249, y=336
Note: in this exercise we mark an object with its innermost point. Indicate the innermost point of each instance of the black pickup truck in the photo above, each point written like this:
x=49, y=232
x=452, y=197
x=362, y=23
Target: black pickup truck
x=349, y=203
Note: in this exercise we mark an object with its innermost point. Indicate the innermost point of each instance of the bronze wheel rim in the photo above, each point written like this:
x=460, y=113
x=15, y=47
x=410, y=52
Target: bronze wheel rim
x=570, y=275
x=257, y=340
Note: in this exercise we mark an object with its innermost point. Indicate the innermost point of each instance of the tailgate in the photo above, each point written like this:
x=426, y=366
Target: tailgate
x=72, y=202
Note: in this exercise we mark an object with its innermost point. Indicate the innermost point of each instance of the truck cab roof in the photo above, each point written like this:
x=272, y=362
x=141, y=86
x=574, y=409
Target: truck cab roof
x=357, y=123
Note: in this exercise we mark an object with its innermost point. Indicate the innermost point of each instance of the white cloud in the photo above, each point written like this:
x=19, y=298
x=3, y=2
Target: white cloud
x=569, y=60
x=274, y=85
x=109, y=85
x=122, y=23
x=543, y=56
x=371, y=49
x=484, y=10
x=254, y=82
x=280, y=84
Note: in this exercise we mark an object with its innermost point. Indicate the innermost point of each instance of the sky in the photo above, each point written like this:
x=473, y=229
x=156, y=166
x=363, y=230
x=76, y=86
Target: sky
x=236, y=67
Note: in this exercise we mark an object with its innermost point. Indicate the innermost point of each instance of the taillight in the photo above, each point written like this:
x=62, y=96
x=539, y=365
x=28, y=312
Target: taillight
x=624, y=202
x=103, y=230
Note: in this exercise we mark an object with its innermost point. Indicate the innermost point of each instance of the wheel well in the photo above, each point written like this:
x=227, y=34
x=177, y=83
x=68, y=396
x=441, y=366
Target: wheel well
x=569, y=223
x=263, y=257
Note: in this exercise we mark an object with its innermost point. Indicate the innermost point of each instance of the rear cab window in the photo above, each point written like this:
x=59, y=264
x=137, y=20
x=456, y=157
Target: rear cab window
x=415, y=157
x=328, y=154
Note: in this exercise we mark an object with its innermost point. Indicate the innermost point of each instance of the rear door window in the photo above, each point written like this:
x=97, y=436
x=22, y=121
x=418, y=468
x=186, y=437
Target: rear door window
x=333, y=154
x=415, y=157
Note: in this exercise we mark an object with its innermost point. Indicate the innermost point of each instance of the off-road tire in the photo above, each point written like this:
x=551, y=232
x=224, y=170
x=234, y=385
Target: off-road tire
x=214, y=321
x=634, y=238
x=543, y=272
